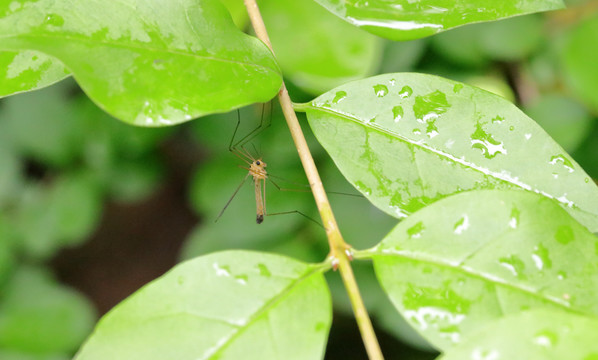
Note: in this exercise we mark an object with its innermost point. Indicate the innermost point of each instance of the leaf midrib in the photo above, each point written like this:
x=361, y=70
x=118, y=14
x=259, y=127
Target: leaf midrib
x=481, y=276
x=263, y=310
x=445, y=155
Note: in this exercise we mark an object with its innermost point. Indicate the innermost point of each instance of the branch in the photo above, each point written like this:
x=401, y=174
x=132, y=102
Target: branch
x=339, y=250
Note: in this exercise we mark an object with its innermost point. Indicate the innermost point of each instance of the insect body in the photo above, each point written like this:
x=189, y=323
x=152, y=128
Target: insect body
x=257, y=169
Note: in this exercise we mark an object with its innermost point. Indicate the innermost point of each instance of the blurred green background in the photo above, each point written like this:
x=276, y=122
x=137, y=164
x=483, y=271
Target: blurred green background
x=91, y=209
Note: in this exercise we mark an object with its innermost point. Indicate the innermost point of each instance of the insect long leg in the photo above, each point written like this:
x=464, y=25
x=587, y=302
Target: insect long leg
x=300, y=213
x=306, y=190
x=265, y=122
x=233, y=196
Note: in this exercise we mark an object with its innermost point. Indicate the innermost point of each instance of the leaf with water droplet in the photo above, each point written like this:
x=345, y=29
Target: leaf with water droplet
x=446, y=142
x=471, y=266
x=208, y=315
x=28, y=70
x=148, y=63
x=408, y=19
x=535, y=334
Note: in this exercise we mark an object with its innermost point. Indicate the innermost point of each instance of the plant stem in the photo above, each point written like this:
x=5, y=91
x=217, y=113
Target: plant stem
x=339, y=250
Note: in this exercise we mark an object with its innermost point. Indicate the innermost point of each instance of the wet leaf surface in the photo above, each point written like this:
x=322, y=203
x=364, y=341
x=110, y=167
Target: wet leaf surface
x=537, y=334
x=147, y=63
x=407, y=20
x=28, y=70
x=475, y=257
x=406, y=140
x=228, y=305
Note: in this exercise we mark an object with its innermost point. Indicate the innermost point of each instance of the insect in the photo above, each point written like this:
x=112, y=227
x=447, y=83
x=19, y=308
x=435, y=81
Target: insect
x=256, y=168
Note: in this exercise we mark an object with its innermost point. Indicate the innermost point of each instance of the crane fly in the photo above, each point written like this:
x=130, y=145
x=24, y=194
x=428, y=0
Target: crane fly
x=256, y=169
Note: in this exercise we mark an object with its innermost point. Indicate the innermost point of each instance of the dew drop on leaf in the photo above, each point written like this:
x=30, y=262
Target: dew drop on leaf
x=405, y=92
x=380, y=90
x=264, y=271
x=416, y=230
x=564, y=234
x=490, y=147
x=339, y=96
x=545, y=338
x=397, y=113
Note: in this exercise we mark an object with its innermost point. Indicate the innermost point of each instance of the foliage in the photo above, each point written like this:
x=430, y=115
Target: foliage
x=495, y=250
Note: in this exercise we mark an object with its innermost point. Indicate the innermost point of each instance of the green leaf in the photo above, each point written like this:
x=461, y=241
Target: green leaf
x=316, y=50
x=536, y=334
x=228, y=305
x=475, y=257
x=566, y=120
x=406, y=140
x=149, y=63
x=28, y=70
x=408, y=20
x=474, y=45
x=579, y=59
x=37, y=315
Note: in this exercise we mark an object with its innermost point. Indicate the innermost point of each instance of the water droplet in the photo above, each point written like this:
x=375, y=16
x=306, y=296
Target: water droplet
x=564, y=234
x=417, y=131
x=380, y=90
x=541, y=257
x=528, y=136
x=242, y=279
x=587, y=180
x=514, y=221
x=481, y=354
x=397, y=113
x=461, y=225
x=427, y=110
x=561, y=275
x=392, y=82
x=415, y=232
x=457, y=88
x=339, y=96
x=264, y=271
x=54, y=20
x=514, y=264
x=562, y=159
x=363, y=187
x=545, y=338
x=511, y=128
x=221, y=270
x=498, y=119
x=480, y=139
x=405, y=92
x=181, y=280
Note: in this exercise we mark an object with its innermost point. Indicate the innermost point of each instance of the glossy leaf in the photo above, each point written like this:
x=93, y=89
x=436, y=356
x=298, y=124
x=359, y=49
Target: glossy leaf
x=407, y=20
x=316, y=50
x=536, y=334
x=228, y=305
x=474, y=257
x=406, y=140
x=149, y=63
x=579, y=60
x=28, y=70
